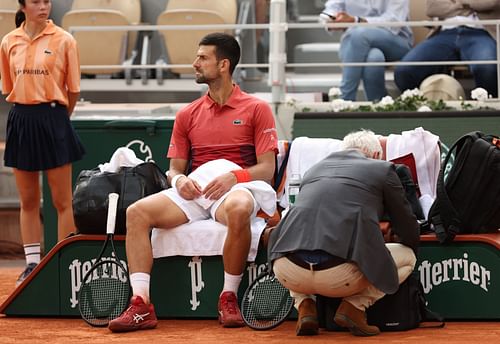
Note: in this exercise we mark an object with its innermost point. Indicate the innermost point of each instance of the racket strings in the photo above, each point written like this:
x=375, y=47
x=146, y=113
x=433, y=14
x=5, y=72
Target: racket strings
x=103, y=296
x=266, y=304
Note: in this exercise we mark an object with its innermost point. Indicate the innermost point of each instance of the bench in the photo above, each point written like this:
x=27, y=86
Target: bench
x=461, y=280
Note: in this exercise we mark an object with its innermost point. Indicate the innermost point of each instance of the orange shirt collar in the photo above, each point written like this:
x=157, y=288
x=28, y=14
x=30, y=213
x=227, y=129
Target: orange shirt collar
x=50, y=29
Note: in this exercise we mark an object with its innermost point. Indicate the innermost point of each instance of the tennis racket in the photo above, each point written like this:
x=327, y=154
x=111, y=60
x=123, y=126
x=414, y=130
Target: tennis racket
x=266, y=303
x=105, y=290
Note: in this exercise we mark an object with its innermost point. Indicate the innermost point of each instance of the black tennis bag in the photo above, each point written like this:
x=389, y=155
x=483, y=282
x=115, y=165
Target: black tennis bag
x=410, y=189
x=404, y=310
x=468, y=199
x=90, y=197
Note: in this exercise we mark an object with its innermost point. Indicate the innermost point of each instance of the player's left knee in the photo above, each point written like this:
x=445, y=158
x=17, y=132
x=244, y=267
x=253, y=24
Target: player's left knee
x=239, y=207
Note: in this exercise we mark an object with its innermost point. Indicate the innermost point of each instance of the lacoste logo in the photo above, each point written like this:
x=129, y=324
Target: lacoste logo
x=238, y=122
x=140, y=317
x=48, y=52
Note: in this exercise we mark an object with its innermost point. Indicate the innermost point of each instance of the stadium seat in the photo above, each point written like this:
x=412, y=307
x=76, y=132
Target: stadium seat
x=180, y=46
x=99, y=47
x=227, y=9
x=12, y=5
x=116, y=48
x=7, y=21
x=131, y=9
x=8, y=10
x=417, y=13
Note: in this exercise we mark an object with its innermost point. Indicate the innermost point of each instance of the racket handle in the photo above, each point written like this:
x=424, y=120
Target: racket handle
x=112, y=207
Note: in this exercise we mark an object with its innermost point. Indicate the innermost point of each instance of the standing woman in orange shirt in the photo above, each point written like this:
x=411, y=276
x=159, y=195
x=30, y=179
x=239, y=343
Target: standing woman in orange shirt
x=40, y=71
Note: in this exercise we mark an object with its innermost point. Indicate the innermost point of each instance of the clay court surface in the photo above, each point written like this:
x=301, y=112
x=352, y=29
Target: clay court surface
x=75, y=331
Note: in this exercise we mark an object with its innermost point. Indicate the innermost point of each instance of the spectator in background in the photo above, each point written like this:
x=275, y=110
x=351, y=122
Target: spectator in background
x=40, y=71
x=454, y=42
x=369, y=44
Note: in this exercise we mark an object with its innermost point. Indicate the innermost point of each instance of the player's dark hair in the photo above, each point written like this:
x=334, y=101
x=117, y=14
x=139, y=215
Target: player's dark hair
x=226, y=47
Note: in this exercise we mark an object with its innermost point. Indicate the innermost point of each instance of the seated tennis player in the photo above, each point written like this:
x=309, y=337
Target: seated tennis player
x=330, y=243
x=227, y=124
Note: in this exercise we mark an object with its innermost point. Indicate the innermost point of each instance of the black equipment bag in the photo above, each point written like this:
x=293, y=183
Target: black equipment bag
x=410, y=188
x=411, y=193
x=90, y=197
x=468, y=201
x=404, y=310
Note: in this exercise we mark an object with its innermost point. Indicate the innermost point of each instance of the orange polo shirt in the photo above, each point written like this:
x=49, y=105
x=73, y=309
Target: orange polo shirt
x=41, y=70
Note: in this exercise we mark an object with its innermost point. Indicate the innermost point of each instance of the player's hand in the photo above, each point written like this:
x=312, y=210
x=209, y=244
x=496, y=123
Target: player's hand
x=219, y=186
x=188, y=188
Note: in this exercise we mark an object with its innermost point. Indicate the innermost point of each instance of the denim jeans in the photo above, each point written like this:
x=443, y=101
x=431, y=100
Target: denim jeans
x=369, y=44
x=458, y=44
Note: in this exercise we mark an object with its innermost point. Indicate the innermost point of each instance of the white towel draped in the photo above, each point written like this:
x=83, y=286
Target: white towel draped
x=200, y=238
x=304, y=153
x=206, y=237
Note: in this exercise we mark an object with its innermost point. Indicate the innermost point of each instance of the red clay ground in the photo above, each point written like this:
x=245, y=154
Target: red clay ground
x=76, y=331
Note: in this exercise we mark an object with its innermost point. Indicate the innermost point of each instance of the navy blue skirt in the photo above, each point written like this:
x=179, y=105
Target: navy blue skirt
x=40, y=137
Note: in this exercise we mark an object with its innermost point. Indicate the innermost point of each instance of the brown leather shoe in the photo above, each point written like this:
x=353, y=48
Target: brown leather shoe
x=307, y=323
x=355, y=320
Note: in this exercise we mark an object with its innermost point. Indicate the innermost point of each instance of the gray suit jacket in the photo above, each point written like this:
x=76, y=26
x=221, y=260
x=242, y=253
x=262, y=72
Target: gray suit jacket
x=485, y=9
x=338, y=208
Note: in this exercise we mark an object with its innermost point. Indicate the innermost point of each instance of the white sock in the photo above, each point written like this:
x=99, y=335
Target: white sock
x=140, y=285
x=231, y=282
x=32, y=253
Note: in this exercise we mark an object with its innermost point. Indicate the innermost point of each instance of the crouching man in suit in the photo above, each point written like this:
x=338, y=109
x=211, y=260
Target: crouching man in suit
x=330, y=243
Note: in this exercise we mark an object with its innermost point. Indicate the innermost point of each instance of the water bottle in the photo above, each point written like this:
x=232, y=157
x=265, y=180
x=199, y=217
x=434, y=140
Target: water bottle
x=293, y=188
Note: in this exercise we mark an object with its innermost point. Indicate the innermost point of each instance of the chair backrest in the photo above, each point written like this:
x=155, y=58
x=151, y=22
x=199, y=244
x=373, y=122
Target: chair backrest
x=7, y=22
x=181, y=45
x=131, y=9
x=98, y=47
x=227, y=9
x=12, y=5
x=417, y=12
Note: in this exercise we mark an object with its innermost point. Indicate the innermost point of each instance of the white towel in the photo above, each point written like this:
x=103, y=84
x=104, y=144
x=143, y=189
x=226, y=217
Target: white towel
x=206, y=237
x=425, y=148
x=261, y=191
x=304, y=153
x=122, y=157
x=208, y=172
x=200, y=238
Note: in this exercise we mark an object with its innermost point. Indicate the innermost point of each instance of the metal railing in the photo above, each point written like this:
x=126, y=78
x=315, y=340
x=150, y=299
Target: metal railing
x=278, y=27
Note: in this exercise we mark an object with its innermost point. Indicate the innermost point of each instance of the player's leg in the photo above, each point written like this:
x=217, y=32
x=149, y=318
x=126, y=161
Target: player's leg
x=28, y=186
x=59, y=180
x=161, y=210
x=236, y=212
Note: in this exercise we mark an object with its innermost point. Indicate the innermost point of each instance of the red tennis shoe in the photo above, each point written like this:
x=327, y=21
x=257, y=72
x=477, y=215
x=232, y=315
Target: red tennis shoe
x=138, y=316
x=229, y=311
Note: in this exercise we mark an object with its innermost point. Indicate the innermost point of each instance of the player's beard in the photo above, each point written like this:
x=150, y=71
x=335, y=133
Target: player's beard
x=204, y=79
x=201, y=79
